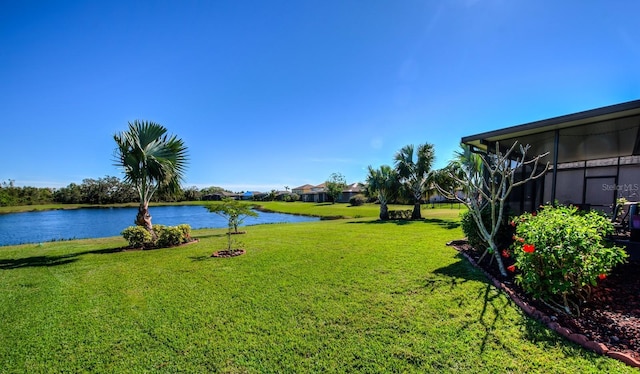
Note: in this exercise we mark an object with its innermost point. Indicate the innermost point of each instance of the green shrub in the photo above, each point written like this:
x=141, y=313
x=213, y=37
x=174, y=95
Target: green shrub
x=357, y=200
x=186, y=232
x=166, y=236
x=470, y=229
x=169, y=236
x=138, y=237
x=400, y=214
x=560, y=253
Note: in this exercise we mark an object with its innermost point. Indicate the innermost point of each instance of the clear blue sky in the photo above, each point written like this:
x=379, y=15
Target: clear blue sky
x=268, y=94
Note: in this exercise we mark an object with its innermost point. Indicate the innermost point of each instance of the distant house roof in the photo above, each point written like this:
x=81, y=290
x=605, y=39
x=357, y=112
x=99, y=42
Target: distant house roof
x=303, y=187
x=354, y=187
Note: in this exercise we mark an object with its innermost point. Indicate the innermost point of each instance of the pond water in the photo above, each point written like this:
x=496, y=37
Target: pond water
x=36, y=227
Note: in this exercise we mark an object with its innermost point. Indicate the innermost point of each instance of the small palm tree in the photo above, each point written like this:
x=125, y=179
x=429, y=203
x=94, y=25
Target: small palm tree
x=383, y=183
x=466, y=164
x=151, y=160
x=414, y=170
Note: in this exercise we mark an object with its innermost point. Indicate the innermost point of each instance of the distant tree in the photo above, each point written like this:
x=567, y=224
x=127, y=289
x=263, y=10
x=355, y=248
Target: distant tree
x=151, y=160
x=335, y=185
x=383, y=184
x=72, y=194
x=192, y=194
x=12, y=195
x=271, y=196
x=413, y=167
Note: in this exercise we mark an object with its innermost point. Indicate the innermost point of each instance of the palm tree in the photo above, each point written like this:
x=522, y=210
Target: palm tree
x=151, y=160
x=414, y=171
x=383, y=183
x=466, y=164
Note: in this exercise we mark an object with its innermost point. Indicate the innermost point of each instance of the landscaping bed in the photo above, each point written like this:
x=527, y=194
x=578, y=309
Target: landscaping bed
x=611, y=317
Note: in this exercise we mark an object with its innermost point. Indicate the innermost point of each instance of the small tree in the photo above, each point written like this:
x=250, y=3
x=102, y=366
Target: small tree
x=234, y=211
x=335, y=185
x=152, y=161
x=491, y=188
x=413, y=167
x=383, y=184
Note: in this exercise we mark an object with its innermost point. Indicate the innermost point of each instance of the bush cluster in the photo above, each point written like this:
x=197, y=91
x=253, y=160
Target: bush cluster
x=400, y=214
x=166, y=236
x=357, y=200
x=561, y=252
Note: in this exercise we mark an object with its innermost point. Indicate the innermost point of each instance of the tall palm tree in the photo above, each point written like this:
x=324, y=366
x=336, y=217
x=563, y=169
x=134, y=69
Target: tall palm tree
x=152, y=161
x=414, y=170
x=383, y=183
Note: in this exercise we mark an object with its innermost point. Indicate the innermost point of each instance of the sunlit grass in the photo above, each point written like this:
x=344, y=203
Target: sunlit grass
x=352, y=295
x=366, y=210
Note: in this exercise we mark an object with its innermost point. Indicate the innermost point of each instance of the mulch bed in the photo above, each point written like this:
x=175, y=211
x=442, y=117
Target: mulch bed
x=228, y=253
x=609, y=323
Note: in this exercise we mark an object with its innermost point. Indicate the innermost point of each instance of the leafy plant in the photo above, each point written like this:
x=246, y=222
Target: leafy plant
x=357, y=200
x=166, y=236
x=561, y=252
x=137, y=236
x=235, y=212
x=475, y=238
x=169, y=236
x=334, y=186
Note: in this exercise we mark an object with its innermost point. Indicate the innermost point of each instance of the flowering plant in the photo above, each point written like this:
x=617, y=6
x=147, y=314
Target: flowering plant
x=561, y=252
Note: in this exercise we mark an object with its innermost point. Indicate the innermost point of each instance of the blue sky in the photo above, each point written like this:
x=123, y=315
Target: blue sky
x=268, y=94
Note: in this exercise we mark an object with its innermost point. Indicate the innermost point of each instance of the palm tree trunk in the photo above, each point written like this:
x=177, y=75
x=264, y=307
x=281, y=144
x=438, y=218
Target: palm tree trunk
x=384, y=212
x=416, y=211
x=144, y=219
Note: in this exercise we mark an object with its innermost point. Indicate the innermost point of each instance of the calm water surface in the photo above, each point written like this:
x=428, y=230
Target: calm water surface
x=36, y=227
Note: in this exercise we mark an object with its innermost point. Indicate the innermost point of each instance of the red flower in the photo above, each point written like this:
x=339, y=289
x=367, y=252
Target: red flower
x=505, y=253
x=521, y=240
x=513, y=223
x=528, y=248
x=534, y=214
x=511, y=268
x=602, y=276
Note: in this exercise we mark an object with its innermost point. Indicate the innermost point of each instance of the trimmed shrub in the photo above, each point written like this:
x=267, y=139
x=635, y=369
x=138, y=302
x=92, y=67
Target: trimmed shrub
x=137, y=236
x=186, y=232
x=357, y=200
x=166, y=236
x=561, y=252
x=169, y=236
x=400, y=214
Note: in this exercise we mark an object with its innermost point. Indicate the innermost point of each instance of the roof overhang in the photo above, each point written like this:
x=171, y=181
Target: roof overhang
x=483, y=140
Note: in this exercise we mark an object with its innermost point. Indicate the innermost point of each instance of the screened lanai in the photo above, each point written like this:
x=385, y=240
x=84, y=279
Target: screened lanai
x=594, y=157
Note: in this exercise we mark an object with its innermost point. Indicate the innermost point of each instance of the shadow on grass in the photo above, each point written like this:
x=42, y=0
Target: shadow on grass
x=47, y=261
x=447, y=224
x=199, y=258
x=210, y=236
x=492, y=304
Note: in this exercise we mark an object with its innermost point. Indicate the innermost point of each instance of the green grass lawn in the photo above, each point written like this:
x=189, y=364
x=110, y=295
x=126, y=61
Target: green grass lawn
x=351, y=295
x=346, y=210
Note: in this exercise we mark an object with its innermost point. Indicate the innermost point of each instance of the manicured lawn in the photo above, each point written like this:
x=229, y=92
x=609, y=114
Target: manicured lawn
x=346, y=210
x=350, y=295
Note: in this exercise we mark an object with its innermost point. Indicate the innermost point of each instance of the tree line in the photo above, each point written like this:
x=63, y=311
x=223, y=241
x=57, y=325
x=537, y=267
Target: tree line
x=107, y=190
